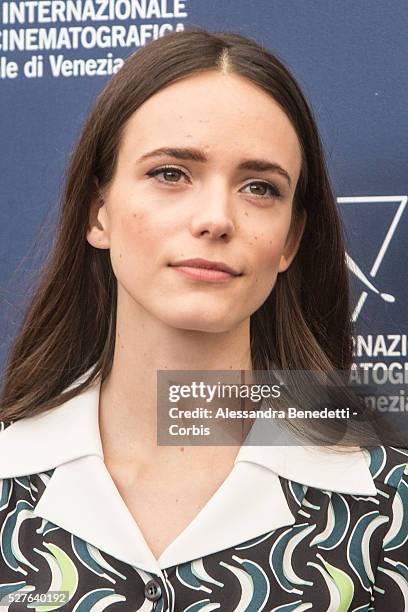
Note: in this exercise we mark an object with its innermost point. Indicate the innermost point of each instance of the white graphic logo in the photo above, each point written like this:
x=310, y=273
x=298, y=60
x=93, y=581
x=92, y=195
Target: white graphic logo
x=352, y=265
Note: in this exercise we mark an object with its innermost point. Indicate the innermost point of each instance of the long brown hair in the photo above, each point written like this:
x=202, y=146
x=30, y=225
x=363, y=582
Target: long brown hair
x=69, y=325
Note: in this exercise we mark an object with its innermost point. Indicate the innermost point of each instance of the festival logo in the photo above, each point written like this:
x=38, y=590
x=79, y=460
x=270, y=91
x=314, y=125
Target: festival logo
x=367, y=277
x=380, y=348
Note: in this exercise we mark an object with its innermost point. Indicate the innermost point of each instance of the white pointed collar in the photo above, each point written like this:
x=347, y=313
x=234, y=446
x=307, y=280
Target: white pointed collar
x=82, y=498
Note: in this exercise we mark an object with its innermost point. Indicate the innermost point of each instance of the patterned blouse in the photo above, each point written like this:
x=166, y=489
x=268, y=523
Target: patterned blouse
x=342, y=551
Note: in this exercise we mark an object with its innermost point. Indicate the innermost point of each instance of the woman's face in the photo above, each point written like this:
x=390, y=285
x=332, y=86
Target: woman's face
x=207, y=168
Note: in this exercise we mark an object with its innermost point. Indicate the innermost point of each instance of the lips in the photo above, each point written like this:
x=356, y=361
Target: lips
x=207, y=264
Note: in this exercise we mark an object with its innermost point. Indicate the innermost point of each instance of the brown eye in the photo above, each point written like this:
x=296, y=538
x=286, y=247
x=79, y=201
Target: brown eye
x=172, y=175
x=259, y=188
x=263, y=189
x=167, y=174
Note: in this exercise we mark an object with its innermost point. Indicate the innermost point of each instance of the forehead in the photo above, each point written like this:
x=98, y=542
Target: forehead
x=224, y=114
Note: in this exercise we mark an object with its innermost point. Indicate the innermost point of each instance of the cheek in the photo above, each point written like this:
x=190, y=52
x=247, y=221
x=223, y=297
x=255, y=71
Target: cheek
x=266, y=233
x=267, y=251
x=135, y=239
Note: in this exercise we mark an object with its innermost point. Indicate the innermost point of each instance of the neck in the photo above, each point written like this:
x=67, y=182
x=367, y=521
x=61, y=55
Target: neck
x=128, y=399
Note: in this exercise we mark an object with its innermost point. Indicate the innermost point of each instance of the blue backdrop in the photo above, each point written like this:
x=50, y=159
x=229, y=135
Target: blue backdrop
x=349, y=57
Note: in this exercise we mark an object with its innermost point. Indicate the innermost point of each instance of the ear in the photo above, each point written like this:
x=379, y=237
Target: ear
x=98, y=223
x=293, y=242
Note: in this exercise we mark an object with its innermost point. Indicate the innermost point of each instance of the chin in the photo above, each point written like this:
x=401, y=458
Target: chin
x=201, y=324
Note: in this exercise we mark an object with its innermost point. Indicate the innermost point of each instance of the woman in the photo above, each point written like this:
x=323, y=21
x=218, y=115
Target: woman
x=200, y=147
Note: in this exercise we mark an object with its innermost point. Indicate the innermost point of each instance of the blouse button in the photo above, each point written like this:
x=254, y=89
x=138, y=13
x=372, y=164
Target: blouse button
x=152, y=590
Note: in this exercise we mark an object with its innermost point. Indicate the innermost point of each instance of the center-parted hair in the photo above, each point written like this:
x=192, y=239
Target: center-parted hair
x=69, y=324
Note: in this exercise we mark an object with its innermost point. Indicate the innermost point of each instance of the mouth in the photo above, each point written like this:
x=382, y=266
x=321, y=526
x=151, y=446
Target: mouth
x=205, y=270
x=206, y=264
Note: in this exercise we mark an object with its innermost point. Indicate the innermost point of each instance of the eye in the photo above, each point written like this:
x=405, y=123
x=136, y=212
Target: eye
x=263, y=189
x=169, y=174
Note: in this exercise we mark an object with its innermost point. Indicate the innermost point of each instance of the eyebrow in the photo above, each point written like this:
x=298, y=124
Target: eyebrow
x=188, y=153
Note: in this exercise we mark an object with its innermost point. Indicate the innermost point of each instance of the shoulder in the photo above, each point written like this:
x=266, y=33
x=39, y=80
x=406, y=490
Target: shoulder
x=21, y=491
x=388, y=465
x=389, y=470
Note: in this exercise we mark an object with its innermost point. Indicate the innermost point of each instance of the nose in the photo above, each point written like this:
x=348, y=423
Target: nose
x=213, y=212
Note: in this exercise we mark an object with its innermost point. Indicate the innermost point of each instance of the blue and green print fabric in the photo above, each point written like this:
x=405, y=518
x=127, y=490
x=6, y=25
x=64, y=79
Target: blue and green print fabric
x=343, y=552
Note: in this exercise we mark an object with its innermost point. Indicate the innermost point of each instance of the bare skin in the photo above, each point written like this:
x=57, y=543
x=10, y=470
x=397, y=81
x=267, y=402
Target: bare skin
x=213, y=209
x=164, y=500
